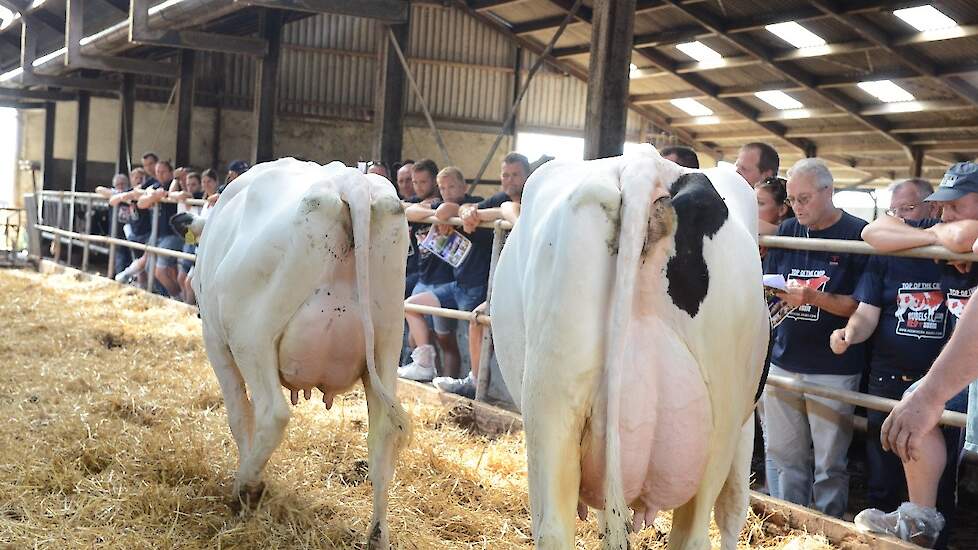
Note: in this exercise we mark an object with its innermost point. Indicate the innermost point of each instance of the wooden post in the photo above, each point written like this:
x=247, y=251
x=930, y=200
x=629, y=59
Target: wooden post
x=607, y=88
x=389, y=112
x=151, y=262
x=79, y=169
x=917, y=161
x=56, y=239
x=127, y=102
x=266, y=87
x=113, y=228
x=47, y=167
x=88, y=231
x=482, y=384
x=33, y=233
x=185, y=106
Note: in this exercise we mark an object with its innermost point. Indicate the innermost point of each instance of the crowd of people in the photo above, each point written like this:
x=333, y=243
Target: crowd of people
x=860, y=323
x=157, y=183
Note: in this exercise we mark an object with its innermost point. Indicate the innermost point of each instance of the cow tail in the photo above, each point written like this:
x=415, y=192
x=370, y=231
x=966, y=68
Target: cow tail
x=359, y=199
x=636, y=194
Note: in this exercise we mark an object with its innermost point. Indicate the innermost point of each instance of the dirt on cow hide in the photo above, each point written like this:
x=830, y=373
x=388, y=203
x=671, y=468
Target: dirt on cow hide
x=116, y=436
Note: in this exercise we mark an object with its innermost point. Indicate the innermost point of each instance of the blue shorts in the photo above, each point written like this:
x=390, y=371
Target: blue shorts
x=452, y=296
x=185, y=265
x=169, y=242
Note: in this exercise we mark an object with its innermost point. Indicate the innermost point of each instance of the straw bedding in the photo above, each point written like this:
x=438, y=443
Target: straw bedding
x=116, y=436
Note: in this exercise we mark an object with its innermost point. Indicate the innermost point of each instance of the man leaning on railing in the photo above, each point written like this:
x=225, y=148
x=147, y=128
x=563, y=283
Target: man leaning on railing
x=911, y=429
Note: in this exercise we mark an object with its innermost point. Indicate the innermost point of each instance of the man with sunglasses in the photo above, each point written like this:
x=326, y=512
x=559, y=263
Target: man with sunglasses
x=901, y=307
x=807, y=436
x=922, y=445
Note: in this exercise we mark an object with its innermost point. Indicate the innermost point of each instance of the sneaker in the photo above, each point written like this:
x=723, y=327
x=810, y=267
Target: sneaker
x=920, y=525
x=422, y=368
x=459, y=386
x=123, y=277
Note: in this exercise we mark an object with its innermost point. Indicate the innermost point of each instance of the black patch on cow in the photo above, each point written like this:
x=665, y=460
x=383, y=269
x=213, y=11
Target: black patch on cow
x=767, y=365
x=700, y=212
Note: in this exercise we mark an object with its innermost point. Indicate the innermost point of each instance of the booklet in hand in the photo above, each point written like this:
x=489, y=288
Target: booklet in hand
x=777, y=308
x=452, y=248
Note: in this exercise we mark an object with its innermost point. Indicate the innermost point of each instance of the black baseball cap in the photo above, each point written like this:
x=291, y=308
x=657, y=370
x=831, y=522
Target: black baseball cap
x=238, y=166
x=958, y=181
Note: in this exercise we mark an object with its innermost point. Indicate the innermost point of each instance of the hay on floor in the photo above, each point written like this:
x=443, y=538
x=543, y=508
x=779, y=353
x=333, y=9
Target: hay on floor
x=115, y=435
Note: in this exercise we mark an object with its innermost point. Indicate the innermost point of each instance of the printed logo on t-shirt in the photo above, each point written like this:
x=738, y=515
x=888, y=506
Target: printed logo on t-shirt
x=919, y=313
x=957, y=299
x=812, y=278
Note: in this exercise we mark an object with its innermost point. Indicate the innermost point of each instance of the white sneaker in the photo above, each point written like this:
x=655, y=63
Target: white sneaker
x=422, y=368
x=459, y=386
x=122, y=277
x=920, y=525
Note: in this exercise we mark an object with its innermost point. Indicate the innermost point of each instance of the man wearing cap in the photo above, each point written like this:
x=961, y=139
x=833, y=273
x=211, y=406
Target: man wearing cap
x=911, y=430
x=902, y=312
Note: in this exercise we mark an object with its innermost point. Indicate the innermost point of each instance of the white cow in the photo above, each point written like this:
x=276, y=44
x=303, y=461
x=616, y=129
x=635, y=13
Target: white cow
x=629, y=295
x=296, y=289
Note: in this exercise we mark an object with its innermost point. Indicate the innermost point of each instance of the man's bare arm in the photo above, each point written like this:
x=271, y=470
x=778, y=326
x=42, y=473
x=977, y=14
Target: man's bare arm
x=837, y=304
x=958, y=236
x=417, y=213
x=888, y=233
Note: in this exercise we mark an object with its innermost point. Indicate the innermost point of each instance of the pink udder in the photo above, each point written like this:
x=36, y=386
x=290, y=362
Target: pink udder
x=323, y=346
x=664, y=426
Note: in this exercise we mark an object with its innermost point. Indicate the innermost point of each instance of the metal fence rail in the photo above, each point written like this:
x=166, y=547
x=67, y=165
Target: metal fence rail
x=949, y=418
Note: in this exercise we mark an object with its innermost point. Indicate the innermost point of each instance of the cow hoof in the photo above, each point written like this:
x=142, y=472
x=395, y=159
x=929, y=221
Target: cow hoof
x=249, y=495
x=379, y=539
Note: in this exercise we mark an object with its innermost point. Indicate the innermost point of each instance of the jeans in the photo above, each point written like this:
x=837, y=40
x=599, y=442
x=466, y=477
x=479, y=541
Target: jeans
x=971, y=437
x=123, y=257
x=808, y=441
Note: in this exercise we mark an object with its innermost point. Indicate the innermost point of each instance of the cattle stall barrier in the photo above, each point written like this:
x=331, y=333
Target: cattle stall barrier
x=37, y=229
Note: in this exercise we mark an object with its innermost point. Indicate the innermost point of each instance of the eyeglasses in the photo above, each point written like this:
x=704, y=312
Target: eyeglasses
x=900, y=211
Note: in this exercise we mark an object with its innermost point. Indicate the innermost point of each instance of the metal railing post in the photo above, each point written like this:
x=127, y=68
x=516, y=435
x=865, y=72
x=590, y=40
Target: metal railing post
x=482, y=384
x=151, y=261
x=113, y=227
x=33, y=233
x=56, y=241
x=88, y=231
x=71, y=227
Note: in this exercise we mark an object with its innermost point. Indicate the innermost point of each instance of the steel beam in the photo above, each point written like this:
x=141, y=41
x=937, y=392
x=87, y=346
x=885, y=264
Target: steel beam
x=185, y=106
x=46, y=95
x=606, y=112
x=569, y=69
x=906, y=56
x=47, y=163
x=75, y=59
x=266, y=87
x=789, y=71
x=389, y=117
x=141, y=33
x=127, y=99
x=391, y=11
x=28, y=54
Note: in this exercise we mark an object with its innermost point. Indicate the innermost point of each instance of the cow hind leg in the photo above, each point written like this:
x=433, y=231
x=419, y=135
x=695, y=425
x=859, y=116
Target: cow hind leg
x=259, y=367
x=240, y=413
x=381, y=445
x=553, y=438
x=731, y=506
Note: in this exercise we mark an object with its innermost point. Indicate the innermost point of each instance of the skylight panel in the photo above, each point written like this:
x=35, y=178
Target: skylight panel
x=699, y=51
x=692, y=107
x=796, y=35
x=925, y=18
x=779, y=100
x=886, y=91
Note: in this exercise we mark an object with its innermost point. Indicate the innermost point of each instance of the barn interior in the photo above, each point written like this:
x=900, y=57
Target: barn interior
x=880, y=89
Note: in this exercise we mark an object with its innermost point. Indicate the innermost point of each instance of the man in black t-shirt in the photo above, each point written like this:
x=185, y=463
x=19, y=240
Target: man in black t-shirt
x=505, y=205
x=808, y=434
x=902, y=307
x=957, y=230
